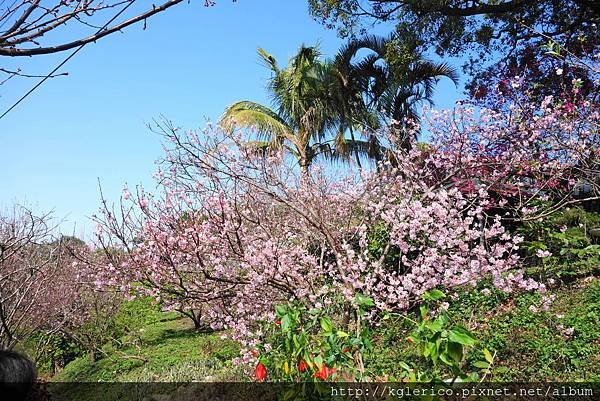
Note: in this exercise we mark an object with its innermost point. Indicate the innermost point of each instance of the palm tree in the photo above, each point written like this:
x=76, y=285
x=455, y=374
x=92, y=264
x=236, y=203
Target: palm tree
x=318, y=103
x=403, y=95
x=355, y=88
x=301, y=121
x=375, y=90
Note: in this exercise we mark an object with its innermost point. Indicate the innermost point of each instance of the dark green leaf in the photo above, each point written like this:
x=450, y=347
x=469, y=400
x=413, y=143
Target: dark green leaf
x=462, y=336
x=455, y=351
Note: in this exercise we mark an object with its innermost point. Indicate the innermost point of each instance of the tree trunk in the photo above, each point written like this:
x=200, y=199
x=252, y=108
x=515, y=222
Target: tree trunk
x=58, y=365
x=303, y=153
x=199, y=326
x=304, y=167
x=356, y=152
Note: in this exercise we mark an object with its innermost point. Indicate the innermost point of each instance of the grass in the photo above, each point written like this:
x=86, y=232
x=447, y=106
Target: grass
x=534, y=346
x=163, y=349
x=529, y=346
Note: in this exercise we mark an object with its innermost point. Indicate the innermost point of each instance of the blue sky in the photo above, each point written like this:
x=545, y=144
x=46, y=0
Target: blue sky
x=188, y=65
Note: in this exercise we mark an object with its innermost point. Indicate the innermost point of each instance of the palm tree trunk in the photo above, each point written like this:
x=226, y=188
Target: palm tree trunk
x=304, y=164
x=355, y=153
x=303, y=153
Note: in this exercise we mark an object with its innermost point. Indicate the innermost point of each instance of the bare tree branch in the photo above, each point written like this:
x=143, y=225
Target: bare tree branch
x=36, y=20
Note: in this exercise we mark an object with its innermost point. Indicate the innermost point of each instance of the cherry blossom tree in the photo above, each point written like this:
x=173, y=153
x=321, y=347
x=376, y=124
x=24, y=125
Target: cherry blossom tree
x=533, y=159
x=39, y=277
x=234, y=233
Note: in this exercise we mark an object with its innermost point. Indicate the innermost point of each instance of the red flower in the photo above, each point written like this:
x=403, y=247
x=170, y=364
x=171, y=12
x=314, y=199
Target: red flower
x=302, y=365
x=346, y=350
x=569, y=107
x=324, y=372
x=277, y=322
x=260, y=372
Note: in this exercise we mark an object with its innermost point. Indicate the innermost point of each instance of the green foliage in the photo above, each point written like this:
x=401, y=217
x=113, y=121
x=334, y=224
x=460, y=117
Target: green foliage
x=442, y=346
x=138, y=313
x=107, y=327
x=566, y=235
x=536, y=345
x=164, y=349
x=527, y=345
x=378, y=240
x=310, y=345
x=52, y=351
x=105, y=331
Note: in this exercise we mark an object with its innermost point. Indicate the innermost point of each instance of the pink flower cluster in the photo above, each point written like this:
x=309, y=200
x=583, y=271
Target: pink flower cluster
x=532, y=153
x=233, y=234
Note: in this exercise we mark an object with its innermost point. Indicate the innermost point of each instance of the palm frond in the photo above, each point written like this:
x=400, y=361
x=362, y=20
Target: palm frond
x=247, y=114
x=268, y=60
x=424, y=70
x=348, y=51
x=265, y=148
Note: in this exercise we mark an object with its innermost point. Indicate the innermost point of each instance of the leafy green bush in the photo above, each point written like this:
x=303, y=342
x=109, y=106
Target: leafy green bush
x=442, y=346
x=560, y=343
x=51, y=351
x=309, y=345
x=562, y=246
x=111, y=324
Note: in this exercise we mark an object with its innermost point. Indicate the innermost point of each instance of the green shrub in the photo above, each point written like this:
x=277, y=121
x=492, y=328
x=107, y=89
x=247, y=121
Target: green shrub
x=566, y=235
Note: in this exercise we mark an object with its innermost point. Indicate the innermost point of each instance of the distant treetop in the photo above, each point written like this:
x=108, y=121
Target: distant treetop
x=483, y=29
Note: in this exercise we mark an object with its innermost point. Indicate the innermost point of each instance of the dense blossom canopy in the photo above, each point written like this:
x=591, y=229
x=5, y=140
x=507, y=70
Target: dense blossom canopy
x=234, y=232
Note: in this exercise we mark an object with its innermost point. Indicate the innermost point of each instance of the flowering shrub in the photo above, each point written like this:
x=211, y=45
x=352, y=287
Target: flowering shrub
x=308, y=345
x=233, y=233
x=532, y=160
